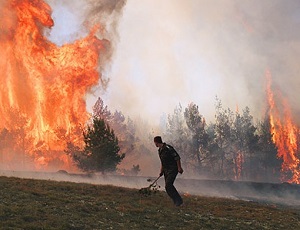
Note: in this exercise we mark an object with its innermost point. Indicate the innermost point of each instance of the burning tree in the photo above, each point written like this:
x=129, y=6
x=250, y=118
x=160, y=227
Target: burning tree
x=45, y=82
x=245, y=145
x=232, y=147
x=15, y=145
x=284, y=132
x=101, y=151
x=267, y=162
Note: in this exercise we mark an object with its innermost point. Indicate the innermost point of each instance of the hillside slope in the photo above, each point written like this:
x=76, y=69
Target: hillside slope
x=46, y=204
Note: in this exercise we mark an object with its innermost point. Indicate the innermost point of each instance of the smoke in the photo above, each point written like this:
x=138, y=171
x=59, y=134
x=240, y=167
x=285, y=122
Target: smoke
x=168, y=52
x=174, y=52
x=282, y=194
x=73, y=19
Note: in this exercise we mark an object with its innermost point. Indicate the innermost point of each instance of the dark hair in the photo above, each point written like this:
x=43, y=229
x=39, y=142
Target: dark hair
x=158, y=139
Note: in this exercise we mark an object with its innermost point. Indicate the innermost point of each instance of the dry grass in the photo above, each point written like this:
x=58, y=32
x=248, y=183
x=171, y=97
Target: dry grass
x=41, y=204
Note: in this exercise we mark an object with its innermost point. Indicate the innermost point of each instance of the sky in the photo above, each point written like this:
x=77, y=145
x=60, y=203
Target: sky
x=172, y=52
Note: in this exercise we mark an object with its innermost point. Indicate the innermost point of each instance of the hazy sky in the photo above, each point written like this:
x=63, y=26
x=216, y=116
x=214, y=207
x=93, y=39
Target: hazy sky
x=180, y=51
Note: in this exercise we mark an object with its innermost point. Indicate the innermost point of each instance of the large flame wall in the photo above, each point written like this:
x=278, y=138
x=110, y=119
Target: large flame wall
x=284, y=133
x=43, y=83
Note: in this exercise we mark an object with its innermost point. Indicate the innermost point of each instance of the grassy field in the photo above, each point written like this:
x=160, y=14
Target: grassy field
x=44, y=204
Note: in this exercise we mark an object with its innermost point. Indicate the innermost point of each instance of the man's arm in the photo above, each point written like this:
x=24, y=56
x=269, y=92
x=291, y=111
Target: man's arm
x=180, y=170
x=161, y=171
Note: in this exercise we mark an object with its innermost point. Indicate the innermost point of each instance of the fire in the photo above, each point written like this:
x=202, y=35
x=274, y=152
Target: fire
x=238, y=161
x=43, y=86
x=186, y=194
x=284, y=132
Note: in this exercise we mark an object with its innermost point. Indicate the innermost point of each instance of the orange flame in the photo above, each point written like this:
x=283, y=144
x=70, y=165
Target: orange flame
x=44, y=83
x=238, y=162
x=284, y=133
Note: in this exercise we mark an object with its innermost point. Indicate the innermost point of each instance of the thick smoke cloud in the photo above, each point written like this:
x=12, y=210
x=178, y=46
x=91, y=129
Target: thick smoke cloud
x=74, y=19
x=174, y=52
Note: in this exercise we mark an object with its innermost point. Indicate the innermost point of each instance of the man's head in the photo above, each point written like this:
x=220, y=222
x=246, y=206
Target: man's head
x=158, y=141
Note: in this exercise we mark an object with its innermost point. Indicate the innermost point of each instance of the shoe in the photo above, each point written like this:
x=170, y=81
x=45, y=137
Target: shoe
x=179, y=203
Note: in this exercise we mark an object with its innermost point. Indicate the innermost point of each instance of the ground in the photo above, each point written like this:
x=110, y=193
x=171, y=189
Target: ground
x=47, y=204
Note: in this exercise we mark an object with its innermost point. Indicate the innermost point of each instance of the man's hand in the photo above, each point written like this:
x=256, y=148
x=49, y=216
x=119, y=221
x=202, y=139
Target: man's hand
x=180, y=170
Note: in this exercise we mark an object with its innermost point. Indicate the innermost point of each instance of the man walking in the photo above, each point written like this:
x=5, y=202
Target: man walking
x=170, y=167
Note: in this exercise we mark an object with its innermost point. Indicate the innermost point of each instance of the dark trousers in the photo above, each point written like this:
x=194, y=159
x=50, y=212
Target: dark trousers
x=170, y=189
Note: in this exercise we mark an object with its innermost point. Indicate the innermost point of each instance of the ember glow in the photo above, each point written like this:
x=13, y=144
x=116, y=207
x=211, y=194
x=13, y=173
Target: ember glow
x=43, y=86
x=285, y=133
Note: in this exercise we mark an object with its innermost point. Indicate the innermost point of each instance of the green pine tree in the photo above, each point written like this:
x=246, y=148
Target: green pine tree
x=101, y=151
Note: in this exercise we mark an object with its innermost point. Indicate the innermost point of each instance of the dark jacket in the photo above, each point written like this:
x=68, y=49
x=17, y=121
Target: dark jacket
x=168, y=157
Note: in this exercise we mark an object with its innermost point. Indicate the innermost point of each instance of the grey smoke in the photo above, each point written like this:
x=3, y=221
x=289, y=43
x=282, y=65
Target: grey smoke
x=283, y=194
x=172, y=51
x=183, y=51
x=74, y=19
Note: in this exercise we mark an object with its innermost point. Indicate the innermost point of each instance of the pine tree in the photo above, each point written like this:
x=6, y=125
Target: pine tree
x=177, y=134
x=196, y=125
x=270, y=164
x=123, y=128
x=101, y=151
x=245, y=143
x=101, y=111
x=223, y=138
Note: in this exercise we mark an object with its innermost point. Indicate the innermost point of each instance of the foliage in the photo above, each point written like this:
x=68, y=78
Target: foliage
x=231, y=147
x=223, y=138
x=101, y=150
x=124, y=129
x=199, y=138
x=269, y=163
x=101, y=111
x=245, y=142
x=177, y=134
x=134, y=171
